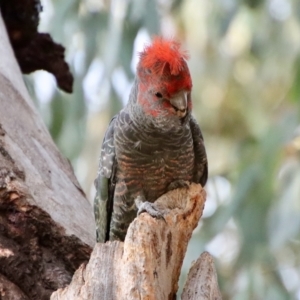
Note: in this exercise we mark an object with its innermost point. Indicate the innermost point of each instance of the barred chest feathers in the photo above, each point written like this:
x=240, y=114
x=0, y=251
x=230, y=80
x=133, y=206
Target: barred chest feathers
x=149, y=159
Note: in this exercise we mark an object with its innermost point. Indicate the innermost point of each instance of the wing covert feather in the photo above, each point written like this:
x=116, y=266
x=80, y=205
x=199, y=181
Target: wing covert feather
x=104, y=184
x=201, y=168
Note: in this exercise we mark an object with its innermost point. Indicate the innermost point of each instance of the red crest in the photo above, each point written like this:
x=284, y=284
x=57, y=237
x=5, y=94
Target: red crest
x=162, y=53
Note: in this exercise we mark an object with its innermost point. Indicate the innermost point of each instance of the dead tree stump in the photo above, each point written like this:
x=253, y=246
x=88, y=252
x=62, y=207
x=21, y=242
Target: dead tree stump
x=147, y=265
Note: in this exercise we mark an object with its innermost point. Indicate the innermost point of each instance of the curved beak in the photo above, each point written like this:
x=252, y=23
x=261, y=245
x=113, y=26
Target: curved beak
x=179, y=103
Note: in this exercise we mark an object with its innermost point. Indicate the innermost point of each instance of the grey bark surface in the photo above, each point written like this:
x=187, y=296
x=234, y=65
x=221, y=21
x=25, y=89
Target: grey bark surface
x=46, y=223
x=147, y=265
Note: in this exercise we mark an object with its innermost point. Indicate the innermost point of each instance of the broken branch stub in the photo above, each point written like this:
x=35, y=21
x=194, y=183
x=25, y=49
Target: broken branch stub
x=202, y=281
x=147, y=265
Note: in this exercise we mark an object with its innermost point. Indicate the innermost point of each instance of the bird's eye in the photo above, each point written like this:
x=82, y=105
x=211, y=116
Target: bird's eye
x=158, y=95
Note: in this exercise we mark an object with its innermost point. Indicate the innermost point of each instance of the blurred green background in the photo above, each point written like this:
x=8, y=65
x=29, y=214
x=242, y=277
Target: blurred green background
x=245, y=65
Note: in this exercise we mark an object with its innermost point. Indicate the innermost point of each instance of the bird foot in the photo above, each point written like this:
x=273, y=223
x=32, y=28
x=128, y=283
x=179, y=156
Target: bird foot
x=150, y=208
x=177, y=185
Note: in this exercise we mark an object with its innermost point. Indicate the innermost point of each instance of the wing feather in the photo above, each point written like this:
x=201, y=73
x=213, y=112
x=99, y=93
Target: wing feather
x=201, y=167
x=105, y=185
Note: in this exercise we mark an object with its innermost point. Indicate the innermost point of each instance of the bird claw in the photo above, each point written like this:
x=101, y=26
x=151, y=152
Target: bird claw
x=151, y=209
x=177, y=185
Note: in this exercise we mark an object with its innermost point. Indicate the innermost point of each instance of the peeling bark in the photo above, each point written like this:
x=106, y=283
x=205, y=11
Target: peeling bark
x=34, y=50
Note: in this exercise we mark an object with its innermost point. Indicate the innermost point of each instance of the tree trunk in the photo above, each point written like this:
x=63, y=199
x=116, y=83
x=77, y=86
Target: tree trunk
x=46, y=223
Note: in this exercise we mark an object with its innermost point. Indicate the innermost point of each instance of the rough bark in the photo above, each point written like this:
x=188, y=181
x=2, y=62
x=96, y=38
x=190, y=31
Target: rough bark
x=202, y=281
x=147, y=265
x=34, y=50
x=46, y=223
